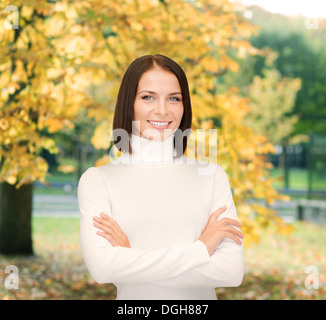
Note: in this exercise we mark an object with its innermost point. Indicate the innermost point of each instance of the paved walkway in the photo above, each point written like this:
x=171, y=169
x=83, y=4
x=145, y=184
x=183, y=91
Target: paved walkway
x=55, y=205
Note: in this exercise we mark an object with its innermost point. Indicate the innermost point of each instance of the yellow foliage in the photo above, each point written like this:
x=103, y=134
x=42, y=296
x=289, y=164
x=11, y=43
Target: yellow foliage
x=101, y=137
x=66, y=168
x=102, y=161
x=53, y=124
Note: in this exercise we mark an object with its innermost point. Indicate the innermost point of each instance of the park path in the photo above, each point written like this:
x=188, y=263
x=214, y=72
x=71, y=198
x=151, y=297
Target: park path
x=52, y=205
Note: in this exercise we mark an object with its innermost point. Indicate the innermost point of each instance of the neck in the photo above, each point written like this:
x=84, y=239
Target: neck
x=151, y=151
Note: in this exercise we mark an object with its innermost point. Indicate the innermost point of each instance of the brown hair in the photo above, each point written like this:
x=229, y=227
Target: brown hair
x=124, y=110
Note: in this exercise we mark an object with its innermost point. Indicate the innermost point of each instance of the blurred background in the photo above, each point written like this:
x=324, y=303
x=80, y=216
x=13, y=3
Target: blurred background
x=256, y=72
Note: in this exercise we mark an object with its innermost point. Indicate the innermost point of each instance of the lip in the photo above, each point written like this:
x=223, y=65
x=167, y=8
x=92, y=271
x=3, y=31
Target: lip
x=159, y=127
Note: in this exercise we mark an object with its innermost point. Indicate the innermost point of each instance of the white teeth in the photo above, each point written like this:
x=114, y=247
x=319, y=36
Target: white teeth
x=159, y=123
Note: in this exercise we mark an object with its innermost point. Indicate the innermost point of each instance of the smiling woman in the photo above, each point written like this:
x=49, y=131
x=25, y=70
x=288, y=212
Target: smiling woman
x=158, y=228
x=153, y=88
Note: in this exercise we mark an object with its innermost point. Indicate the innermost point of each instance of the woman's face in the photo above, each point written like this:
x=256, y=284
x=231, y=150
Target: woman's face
x=158, y=106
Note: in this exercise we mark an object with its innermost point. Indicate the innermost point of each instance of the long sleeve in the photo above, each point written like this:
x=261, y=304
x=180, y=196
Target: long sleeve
x=108, y=264
x=225, y=267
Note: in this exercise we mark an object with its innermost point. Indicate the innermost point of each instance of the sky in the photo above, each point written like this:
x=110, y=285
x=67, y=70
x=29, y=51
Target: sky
x=308, y=8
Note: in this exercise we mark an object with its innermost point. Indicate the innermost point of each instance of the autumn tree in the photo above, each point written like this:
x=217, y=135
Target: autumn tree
x=39, y=97
x=272, y=98
x=301, y=54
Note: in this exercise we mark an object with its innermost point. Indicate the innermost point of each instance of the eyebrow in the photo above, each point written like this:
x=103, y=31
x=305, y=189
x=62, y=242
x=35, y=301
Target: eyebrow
x=153, y=92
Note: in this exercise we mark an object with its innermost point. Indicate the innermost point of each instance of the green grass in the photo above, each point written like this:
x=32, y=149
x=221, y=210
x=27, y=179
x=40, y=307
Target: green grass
x=298, y=179
x=275, y=268
x=48, y=228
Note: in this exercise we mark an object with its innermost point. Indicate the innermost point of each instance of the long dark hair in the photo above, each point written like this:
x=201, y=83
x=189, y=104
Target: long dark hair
x=124, y=109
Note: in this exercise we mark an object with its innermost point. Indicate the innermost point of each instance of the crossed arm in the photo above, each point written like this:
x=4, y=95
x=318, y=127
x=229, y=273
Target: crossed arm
x=214, y=260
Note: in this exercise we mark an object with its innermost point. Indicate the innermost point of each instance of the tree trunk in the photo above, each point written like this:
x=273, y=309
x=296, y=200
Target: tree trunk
x=284, y=164
x=15, y=219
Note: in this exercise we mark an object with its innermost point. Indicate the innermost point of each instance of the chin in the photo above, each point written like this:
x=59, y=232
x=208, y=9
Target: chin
x=157, y=135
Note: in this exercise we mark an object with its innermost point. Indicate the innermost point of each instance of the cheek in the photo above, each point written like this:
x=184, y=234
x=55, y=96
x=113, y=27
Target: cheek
x=139, y=111
x=178, y=113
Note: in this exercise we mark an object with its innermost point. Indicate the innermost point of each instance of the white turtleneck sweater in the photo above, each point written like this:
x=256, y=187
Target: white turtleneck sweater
x=162, y=205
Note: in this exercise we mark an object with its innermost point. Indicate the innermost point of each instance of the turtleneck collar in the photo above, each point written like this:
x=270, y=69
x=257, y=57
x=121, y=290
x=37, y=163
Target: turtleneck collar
x=150, y=151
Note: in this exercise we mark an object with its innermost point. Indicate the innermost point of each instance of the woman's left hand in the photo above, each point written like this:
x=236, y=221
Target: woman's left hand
x=111, y=231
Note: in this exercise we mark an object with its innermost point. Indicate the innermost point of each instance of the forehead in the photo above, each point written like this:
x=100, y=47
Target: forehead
x=158, y=80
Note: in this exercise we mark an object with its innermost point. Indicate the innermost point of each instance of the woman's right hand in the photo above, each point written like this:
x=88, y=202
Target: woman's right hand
x=215, y=231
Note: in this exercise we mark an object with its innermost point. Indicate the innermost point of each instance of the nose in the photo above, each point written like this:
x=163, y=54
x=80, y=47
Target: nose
x=161, y=107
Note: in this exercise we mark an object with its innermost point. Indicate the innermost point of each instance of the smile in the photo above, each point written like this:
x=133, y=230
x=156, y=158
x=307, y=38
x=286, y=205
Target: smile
x=159, y=124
